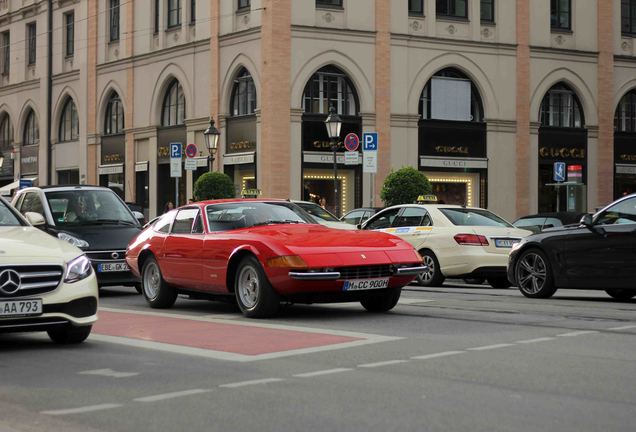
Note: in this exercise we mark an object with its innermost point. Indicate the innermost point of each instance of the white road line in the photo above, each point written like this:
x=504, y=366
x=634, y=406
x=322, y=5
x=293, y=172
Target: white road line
x=82, y=410
x=490, y=347
x=108, y=373
x=577, y=333
x=623, y=327
x=172, y=395
x=383, y=363
x=541, y=339
x=252, y=382
x=322, y=372
x=437, y=355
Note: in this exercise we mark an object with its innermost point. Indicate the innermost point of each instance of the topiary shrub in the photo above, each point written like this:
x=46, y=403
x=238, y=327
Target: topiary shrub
x=213, y=185
x=404, y=186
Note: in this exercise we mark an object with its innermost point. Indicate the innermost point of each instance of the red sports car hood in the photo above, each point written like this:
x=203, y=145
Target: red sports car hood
x=320, y=246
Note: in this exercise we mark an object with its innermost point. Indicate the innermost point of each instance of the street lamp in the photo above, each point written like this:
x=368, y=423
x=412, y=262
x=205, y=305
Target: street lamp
x=334, y=124
x=211, y=135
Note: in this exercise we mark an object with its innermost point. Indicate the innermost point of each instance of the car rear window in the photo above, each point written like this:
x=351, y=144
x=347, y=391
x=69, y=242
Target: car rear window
x=473, y=217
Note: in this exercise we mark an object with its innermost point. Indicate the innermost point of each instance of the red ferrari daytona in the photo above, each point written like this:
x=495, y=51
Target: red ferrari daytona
x=266, y=252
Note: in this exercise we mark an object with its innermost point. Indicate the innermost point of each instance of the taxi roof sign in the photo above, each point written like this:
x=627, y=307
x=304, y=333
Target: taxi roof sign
x=424, y=199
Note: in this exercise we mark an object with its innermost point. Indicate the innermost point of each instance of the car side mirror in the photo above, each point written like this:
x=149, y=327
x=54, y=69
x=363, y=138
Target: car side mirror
x=587, y=220
x=140, y=217
x=35, y=219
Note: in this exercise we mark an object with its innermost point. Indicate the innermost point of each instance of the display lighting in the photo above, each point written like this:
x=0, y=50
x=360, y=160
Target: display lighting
x=467, y=181
x=343, y=194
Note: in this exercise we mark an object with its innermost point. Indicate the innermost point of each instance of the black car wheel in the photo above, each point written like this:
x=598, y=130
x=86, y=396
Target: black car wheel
x=533, y=275
x=433, y=276
x=157, y=292
x=254, y=294
x=69, y=334
x=382, y=301
x=499, y=282
x=621, y=294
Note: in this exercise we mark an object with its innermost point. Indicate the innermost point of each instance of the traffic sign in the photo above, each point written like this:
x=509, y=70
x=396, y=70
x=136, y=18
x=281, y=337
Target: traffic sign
x=190, y=164
x=351, y=142
x=351, y=158
x=370, y=162
x=176, y=150
x=559, y=172
x=191, y=150
x=370, y=141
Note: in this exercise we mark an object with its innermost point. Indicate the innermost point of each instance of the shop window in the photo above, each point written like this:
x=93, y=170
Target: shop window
x=69, y=24
x=243, y=94
x=330, y=87
x=69, y=124
x=452, y=8
x=173, y=110
x=451, y=95
x=68, y=177
x=561, y=108
x=113, y=21
x=114, y=121
x=6, y=133
x=243, y=4
x=31, y=133
x=5, y=49
x=487, y=11
x=328, y=3
x=31, y=43
x=416, y=8
x=156, y=17
x=561, y=14
x=628, y=17
x=174, y=13
x=625, y=117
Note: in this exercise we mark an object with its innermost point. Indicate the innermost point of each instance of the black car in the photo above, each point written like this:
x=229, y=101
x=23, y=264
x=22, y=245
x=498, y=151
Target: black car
x=598, y=253
x=92, y=218
x=542, y=221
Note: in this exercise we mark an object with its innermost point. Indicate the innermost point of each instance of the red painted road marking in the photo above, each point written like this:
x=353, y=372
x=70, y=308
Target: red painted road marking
x=231, y=338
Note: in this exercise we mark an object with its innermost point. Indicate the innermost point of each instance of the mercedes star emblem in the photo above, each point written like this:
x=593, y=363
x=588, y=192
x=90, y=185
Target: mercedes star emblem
x=9, y=281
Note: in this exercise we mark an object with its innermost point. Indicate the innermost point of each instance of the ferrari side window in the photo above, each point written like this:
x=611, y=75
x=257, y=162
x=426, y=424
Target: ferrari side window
x=164, y=222
x=197, y=227
x=184, y=221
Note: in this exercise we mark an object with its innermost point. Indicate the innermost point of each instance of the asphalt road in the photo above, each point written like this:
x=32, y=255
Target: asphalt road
x=456, y=358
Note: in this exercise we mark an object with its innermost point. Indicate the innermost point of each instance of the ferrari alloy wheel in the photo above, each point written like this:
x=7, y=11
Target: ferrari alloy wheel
x=381, y=301
x=433, y=276
x=621, y=294
x=533, y=275
x=254, y=294
x=157, y=292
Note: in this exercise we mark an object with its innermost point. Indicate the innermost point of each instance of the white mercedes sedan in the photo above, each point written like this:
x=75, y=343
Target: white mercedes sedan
x=454, y=241
x=46, y=284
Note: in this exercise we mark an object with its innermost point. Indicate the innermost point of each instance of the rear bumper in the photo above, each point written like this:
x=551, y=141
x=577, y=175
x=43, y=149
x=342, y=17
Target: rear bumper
x=473, y=263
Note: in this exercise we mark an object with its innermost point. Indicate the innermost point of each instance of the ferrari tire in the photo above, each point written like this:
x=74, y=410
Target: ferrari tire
x=156, y=291
x=432, y=277
x=381, y=301
x=69, y=334
x=255, y=296
x=621, y=294
x=499, y=282
x=533, y=274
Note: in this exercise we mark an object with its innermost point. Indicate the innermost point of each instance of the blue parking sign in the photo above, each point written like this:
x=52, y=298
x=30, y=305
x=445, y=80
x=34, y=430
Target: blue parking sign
x=559, y=172
x=176, y=150
x=370, y=141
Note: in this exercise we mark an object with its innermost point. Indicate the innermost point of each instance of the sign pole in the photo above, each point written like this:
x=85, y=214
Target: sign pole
x=371, y=189
x=176, y=192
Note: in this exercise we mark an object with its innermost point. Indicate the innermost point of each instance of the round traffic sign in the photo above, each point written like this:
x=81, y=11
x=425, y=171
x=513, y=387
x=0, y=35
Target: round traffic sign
x=351, y=142
x=191, y=150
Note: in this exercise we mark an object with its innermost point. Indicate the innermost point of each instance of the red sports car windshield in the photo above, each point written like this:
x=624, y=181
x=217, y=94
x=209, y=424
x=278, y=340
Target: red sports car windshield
x=246, y=214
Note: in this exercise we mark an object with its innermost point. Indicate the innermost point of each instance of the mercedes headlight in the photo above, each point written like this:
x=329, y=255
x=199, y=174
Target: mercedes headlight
x=72, y=240
x=78, y=269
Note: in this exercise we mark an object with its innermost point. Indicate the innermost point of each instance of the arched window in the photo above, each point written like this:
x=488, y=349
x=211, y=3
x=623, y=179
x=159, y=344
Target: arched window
x=31, y=131
x=625, y=117
x=330, y=87
x=114, y=120
x=243, y=94
x=6, y=132
x=173, y=109
x=561, y=108
x=451, y=95
x=69, y=125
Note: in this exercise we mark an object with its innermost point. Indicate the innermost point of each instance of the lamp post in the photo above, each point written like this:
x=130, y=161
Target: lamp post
x=211, y=135
x=334, y=124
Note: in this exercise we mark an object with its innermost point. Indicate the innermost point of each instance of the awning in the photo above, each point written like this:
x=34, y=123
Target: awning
x=7, y=189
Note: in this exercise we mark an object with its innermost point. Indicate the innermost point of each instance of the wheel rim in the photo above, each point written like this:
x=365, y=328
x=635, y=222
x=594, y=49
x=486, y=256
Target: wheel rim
x=248, y=287
x=152, y=280
x=428, y=275
x=531, y=273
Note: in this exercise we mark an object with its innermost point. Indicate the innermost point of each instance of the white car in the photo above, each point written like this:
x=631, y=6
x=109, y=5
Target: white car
x=455, y=241
x=46, y=284
x=323, y=216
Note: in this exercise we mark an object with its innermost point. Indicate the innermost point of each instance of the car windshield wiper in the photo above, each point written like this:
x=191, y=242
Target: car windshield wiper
x=112, y=221
x=279, y=222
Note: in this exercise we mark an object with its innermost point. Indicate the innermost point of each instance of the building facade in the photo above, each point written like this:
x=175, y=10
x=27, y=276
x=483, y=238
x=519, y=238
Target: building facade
x=483, y=96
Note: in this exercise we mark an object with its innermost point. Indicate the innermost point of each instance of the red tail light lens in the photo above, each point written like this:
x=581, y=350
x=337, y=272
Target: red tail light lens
x=471, y=240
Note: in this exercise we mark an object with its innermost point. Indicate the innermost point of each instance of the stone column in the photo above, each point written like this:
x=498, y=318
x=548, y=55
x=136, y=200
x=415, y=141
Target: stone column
x=382, y=91
x=524, y=162
x=91, y=98
x=605, y=98
x=129, y=108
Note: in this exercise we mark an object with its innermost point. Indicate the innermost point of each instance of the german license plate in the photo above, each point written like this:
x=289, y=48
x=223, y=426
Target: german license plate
x=112, y=267
x=26, y=307
x=365, y=284
x=505, y=243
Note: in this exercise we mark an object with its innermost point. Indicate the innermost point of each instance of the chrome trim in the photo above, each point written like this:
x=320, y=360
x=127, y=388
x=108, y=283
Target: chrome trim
x=28, y=286
x=315, y=275
x=2, y=326
x=410, y=271
x=40, y=274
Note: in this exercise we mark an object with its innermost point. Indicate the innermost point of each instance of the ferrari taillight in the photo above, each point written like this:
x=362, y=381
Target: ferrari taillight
x=471, y=240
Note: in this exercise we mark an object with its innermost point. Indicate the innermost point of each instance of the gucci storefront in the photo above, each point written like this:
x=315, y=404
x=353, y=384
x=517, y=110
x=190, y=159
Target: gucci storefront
x=453, y=157
x=111, y=167
x=624, y=164
x=239, y=161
